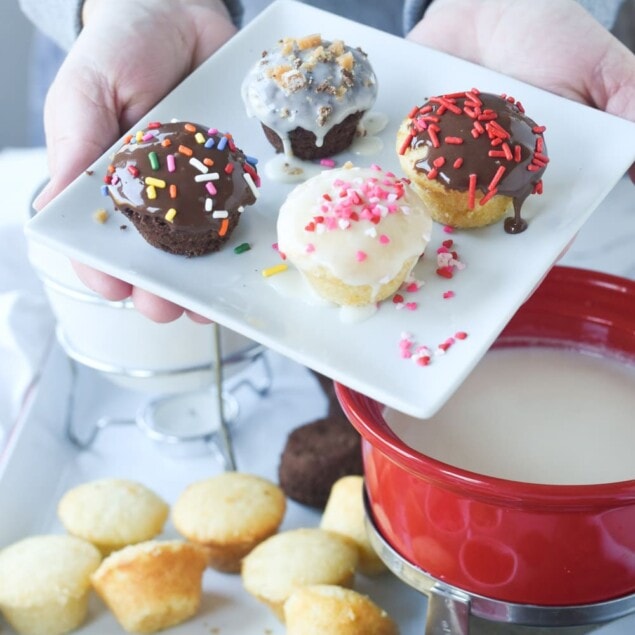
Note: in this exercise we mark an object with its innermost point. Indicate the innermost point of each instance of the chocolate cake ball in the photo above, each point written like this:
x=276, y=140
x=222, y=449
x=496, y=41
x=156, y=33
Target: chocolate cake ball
x=182, y=185
x=315, y=456
x=319, y=453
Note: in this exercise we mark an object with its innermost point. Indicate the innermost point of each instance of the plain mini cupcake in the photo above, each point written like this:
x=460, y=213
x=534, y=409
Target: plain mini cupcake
x=310, y=95
x=152, y=585
x=354, y=233
x=45, y=583
x=297, y=558
x=314, y=610
x=229, y=515
x=112, y=513
x=344, y=514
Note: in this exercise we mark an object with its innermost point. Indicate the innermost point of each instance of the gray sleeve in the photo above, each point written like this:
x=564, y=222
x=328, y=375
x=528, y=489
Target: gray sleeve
x=61, y=20
x=413, y=11
x=605, y=11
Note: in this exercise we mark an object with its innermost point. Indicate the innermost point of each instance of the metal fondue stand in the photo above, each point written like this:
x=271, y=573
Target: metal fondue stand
x=225, y=406
x=449, y=607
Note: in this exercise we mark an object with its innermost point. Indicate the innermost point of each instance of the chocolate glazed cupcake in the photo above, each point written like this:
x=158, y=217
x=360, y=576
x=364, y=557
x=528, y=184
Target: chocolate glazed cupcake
x=183, y=186
x=310, y=95
x=473, y=156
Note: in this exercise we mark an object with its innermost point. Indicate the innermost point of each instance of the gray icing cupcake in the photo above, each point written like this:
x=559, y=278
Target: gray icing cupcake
x=310, y=94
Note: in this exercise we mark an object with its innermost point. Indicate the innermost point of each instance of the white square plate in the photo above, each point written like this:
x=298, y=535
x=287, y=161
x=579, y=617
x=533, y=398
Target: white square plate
x=589, y=152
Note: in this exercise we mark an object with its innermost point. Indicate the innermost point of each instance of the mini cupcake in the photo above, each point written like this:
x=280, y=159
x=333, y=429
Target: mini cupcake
x=229, y=515
x=322, y=608
x=473, y=157
x=296, y=558
x=316, y=455
x=112, y=513
x=45, y=583
x=183, y=186
x=152, y=585
x=310, y=95
x=354, y=233
x=344, y=514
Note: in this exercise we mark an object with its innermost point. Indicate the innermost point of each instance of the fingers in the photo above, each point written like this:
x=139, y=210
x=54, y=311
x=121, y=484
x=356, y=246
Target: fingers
x=197, y=317
x=155, y=308
x=152, y=306
x=107, y=286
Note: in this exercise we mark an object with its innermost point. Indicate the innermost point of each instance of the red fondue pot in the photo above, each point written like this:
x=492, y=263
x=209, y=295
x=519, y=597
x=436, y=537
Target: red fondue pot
x=550, y=545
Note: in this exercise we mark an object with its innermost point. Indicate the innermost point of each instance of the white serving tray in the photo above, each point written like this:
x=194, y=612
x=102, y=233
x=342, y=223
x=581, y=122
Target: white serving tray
x=230, y=289
x=40, y=464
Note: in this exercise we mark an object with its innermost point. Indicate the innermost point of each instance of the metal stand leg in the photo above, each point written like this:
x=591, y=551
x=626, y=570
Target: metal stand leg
x=225, y=436
x=84, y=442
x=448, y=612
x=262, y=387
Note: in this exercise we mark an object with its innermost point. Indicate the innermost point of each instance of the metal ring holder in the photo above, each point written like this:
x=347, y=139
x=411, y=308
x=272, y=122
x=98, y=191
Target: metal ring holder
x=449, y=608
x=217, y=438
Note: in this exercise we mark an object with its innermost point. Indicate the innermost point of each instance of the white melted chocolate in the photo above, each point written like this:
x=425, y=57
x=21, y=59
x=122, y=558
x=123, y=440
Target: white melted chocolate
x=359, y=224
x=283, y=168
x=308, y=83
x=537, y=415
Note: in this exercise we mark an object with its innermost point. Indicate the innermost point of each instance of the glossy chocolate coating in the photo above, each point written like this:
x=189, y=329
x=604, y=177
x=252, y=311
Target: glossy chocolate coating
x=186, y=143
x=487, y=125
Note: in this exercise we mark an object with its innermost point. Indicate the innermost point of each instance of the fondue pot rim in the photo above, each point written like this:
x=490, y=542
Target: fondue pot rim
x=594, y=297
x=489, y=489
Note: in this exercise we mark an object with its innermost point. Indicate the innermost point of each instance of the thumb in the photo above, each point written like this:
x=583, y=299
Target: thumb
x=80, y=123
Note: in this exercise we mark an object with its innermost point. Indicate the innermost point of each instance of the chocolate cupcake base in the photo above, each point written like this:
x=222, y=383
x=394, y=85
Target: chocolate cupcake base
x=178, y=240
x=315, y=456
x=303, y=142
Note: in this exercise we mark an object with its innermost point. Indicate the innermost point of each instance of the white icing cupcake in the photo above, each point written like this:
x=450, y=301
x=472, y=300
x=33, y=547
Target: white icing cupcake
x=354, y=233
x=310, y=95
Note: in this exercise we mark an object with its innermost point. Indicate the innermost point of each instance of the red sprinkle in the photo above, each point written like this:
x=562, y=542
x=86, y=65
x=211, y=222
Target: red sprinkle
x=433, y=136
x=491, y=194
x=497, y=177
x=406, y=144
x=471, y=192
x=445, y=272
